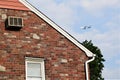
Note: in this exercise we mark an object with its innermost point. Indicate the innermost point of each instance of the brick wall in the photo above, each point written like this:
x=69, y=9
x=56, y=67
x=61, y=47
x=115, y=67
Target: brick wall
x=63, y=60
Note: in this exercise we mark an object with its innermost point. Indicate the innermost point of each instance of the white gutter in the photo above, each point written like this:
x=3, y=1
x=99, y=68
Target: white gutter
x=86, y=66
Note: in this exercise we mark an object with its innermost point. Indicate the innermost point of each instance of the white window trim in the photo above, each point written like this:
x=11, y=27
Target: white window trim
x=36, y=60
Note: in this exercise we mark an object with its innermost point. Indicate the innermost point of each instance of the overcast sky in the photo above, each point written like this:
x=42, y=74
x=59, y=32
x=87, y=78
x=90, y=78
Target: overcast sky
x=104, y=18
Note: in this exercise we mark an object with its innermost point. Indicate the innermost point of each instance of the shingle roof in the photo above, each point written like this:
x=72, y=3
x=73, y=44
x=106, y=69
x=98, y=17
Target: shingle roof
x=12, y=4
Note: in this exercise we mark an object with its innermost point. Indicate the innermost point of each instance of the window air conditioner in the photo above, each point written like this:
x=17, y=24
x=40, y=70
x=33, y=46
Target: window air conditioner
x=14, y=23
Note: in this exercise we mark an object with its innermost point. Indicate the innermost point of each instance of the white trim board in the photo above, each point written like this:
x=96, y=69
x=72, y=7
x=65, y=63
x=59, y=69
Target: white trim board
x=58, y=28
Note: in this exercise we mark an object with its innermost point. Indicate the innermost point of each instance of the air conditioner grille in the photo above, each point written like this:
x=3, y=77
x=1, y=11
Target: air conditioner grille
x=15, y=21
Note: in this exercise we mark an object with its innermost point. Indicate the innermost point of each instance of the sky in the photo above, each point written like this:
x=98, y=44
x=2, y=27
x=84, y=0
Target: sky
x=104, y=18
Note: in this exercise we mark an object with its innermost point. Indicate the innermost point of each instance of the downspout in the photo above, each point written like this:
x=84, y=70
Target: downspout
x=86, y=66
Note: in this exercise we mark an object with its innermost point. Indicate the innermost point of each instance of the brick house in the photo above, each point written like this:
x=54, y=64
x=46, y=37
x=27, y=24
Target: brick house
x=32, y=47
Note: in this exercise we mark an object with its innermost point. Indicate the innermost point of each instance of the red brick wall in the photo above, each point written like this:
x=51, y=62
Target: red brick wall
x=38, y=39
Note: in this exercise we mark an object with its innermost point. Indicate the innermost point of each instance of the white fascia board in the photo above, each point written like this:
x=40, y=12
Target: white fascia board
x=55, y=26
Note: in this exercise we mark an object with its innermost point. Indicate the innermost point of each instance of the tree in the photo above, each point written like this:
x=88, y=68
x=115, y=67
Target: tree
x=97, y=65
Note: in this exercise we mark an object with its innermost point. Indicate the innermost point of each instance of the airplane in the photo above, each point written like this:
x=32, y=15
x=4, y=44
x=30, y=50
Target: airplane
x=86, y=27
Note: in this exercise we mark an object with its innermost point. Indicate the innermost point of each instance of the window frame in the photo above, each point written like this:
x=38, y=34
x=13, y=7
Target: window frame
x=35, y=60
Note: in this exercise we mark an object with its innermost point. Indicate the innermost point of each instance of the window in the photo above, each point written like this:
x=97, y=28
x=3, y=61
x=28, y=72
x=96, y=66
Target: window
x=35, y=69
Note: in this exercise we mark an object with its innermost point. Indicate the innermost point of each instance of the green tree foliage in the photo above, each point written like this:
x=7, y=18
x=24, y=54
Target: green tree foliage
x=97, y=65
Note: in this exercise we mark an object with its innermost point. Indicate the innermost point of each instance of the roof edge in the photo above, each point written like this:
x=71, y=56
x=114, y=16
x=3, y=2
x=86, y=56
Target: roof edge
x=58, y=28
